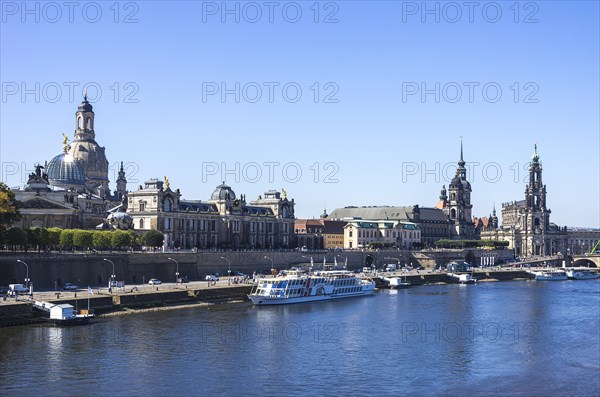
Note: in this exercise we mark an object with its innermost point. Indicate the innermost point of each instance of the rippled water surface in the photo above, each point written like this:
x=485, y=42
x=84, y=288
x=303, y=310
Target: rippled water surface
x=492, y=339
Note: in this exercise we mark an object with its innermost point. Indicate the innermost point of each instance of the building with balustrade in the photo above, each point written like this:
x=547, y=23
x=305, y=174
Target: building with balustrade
x=223, y=221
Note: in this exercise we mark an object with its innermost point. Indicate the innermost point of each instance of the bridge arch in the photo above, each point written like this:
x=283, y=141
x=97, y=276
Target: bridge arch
x=584, y=262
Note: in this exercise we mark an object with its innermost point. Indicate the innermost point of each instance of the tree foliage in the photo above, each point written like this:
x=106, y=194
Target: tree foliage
x=82, y=238
x=66, y=237
x=9, y=207
x=154, y=238
x=102, y=239
x=120, y=238
x=497, y=244
x=16, y=236
x=54, y=235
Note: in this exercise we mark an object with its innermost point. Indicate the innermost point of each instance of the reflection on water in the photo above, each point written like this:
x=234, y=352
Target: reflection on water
x=514, y=338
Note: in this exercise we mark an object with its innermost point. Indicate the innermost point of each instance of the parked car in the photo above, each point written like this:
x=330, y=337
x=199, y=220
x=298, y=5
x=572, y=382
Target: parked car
x=154, y=281
x=70, y=287
x=183, y=279
x=212, y=277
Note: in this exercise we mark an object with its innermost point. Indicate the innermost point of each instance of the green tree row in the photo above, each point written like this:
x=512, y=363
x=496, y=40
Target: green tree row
x=497, y=244
x=42, y=239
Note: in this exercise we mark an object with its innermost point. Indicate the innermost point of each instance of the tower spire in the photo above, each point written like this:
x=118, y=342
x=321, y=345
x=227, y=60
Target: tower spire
x=461, y=162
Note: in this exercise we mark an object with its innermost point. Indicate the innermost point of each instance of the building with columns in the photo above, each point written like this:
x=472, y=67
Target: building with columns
x=526, y=223
x=223, y=221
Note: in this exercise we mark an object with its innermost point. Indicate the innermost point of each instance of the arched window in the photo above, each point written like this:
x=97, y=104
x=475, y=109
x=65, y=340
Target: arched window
x=452, y=213
x=141, y=223
x=167, y=205
x=79, y=120
x=88, y=123
x=452, y=196
x=536, y=221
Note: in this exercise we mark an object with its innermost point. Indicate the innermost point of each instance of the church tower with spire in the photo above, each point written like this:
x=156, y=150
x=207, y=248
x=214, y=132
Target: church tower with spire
x=121, y=191
x=85, y=149
x=459, y=202
x=537, y=215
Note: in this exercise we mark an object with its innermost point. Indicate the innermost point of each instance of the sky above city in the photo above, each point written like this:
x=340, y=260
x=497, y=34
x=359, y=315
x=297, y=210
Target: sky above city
x=340, y=103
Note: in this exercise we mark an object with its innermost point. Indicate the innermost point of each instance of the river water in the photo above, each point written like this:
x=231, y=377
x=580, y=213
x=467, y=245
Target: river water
x=491, y=339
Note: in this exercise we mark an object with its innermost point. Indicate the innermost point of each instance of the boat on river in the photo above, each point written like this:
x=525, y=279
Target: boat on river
x=397, y=282
x=296, y=286
x=582, y=274
x=551, y=275
x=63, y=314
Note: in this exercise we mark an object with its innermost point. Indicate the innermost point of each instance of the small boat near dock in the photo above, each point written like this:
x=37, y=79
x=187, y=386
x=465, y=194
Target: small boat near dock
x=396, y=282
x=63, y=314
x=464, y=278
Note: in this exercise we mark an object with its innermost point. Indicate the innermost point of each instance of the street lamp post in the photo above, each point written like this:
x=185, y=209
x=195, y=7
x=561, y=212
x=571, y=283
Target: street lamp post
x=112, y=276
x=27, y=274
x=311, y=261
x=176, y=271
x=228, y=270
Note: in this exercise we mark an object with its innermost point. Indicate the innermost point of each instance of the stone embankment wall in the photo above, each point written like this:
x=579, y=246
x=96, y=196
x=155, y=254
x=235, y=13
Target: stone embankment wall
x=48, y=271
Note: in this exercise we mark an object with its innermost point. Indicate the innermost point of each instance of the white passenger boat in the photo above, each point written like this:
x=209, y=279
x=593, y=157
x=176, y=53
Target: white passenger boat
x=296, y=286
x=551, y=275
x=582, y=274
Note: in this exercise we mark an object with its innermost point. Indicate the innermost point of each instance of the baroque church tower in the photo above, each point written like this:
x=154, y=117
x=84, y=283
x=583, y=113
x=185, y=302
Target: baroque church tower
x=459, y=202
x=537, y=215
x=91, y=155
x=121, y=184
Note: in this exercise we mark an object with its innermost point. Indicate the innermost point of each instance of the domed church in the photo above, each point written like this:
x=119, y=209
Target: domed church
x=72, y=189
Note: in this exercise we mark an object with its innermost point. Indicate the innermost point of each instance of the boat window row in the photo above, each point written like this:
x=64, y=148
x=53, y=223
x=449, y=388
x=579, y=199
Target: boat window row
x=346, y=290
x=344, y=282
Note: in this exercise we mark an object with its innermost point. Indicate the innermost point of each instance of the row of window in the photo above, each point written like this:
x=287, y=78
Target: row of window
x=374, y=233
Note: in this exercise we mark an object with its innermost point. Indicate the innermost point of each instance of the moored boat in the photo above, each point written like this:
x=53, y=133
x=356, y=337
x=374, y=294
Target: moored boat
x=63, y=314
x=551, y=275
x=466, y=279
x=582, y=274
x=396, y=282
x=296, y=286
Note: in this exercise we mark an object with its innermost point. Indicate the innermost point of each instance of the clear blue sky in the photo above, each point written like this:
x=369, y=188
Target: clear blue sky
x=370, y=132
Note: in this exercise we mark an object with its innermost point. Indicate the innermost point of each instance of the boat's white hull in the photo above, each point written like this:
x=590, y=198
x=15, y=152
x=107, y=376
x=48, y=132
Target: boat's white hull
x=79, y=319
x=551, y=277
x=583, y=275
x=268, y=300
x=396, y=282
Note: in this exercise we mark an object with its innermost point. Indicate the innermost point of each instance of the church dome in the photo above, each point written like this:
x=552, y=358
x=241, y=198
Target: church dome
x=85, y=106
x=223, y=192
x=93, y=159
x=66, y=172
